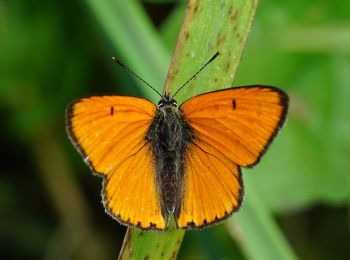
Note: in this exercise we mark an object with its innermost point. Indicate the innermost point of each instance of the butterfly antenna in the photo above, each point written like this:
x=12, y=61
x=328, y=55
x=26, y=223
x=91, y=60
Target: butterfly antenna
x=116, y=60
x=209, y=61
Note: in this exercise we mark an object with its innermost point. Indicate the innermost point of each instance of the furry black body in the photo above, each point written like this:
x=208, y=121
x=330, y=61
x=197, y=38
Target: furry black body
x=169, y=135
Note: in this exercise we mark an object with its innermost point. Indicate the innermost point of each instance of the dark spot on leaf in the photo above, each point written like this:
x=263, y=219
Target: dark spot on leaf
x=218, y=41
x=224, y=37
x=234, y=16
x=187, y=35
x=230, y=10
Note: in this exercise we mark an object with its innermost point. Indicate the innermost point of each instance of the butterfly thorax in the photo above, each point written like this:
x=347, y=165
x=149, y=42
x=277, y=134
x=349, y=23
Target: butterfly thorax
x=169, y=135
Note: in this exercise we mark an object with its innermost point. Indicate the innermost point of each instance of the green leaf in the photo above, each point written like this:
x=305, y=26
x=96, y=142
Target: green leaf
x=207, y=28
x=152, y=244
x=255, y=229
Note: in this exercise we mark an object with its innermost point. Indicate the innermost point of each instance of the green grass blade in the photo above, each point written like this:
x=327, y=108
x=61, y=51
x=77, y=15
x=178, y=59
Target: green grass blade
x=209, y=27
x=255, y=229
x=152, y=244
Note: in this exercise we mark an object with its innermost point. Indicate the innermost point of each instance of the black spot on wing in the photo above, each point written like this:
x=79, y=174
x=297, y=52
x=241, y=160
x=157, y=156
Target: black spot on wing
x=234, y=104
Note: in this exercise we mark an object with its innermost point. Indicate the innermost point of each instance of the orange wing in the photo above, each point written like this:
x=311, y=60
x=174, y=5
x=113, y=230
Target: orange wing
x=212, y=188
x=110, y=132
x=232, y=128
x=240, y=122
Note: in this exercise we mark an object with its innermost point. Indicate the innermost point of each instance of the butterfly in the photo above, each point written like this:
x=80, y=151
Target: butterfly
x=158, y=160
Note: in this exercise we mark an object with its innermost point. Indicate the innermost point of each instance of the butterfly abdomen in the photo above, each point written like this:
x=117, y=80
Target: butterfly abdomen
x=169, y=135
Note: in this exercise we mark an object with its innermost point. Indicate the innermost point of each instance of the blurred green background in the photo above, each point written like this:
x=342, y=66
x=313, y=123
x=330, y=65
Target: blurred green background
x=52, y=52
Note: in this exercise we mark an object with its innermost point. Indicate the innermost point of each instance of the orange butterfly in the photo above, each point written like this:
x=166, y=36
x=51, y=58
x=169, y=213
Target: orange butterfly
x=162, y=160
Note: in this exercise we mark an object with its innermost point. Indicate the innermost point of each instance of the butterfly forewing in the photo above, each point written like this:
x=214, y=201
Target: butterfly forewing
x=110, y=133
x=239, y=122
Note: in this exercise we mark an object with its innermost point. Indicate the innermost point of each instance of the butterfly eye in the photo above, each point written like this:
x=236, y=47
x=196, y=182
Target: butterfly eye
x=160, y=103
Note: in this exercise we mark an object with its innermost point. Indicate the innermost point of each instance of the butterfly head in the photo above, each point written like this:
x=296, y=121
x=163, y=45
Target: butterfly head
x=167, y=101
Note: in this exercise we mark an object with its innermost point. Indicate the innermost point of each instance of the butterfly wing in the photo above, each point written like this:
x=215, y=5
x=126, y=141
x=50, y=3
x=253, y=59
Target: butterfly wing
x=212, y=188
x=232, y=128
x=109, y=131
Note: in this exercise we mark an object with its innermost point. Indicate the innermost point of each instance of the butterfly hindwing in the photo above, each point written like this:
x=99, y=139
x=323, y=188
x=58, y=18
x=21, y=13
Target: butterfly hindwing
x=212, y=188
x=110, y=132
x=232, y=128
